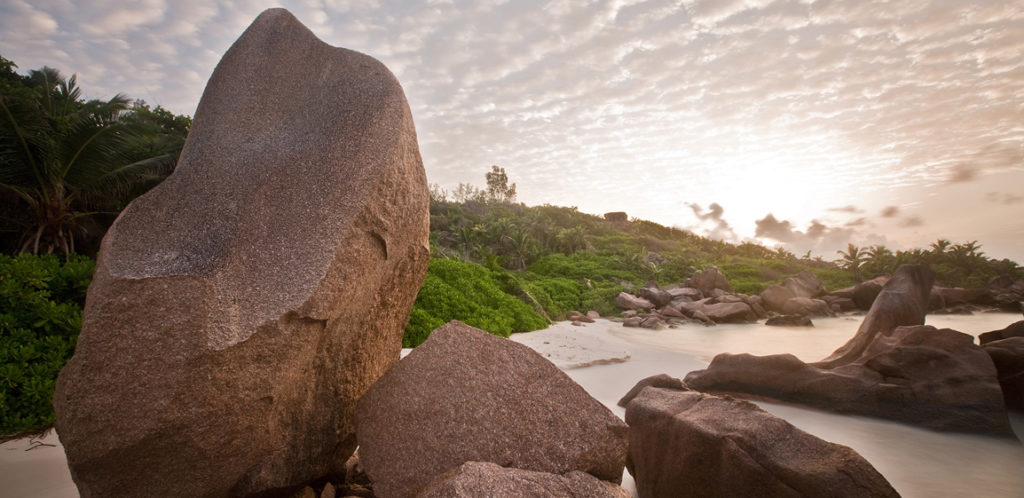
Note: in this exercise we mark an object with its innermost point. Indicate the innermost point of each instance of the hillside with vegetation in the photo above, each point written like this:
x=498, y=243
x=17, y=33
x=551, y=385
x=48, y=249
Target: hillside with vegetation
x=69, y=165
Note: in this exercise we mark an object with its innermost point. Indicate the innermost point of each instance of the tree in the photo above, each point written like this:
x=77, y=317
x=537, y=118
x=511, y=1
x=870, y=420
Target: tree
x=67, y=165
x=852, y=260
x=498, y=188
x=878, y=260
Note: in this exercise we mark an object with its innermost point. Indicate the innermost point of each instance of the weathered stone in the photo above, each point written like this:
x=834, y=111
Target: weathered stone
x=593, y=315
x=804, y=284
x=687, y=293
x=806, y=306
x=1008, y=357
x=628, y=301
x=633, y=321
x=789, y=321
x=241, y=307
x=477, y=479
x=709, y=280
x=328, y=491
x=671, y=312
x=918, y=374
x=1015, y=329
x=729, y=312
x=692, y=444
x=840, y=303
x=656, y=296
x=652, y=322
x=576, y=316
x=465, y=395
x=706, y=320
x=616, y=216
x=864, y=293
x=661, y=380
x=774, y=297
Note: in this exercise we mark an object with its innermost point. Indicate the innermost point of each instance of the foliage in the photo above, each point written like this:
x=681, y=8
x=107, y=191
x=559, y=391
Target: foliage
x=68, y=165
x=468, y=292
x=41, y=302
x=498, y=188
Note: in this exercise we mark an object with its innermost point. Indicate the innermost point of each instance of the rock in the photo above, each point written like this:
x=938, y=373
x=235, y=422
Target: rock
x=706, y=320
x=692, y=444
x=804, y=284
x=951, y=296
x=806, y=306
x=840, y=304
x=729, y=313
x=864, y=293
x=774, y=297
x=465, y=395
x=1015, y=329
x=656, y=296
x=661, y=380
x=617, y=216
x=687, y=293
x=629, y=313
x=241, y=307
x=709, y=280
x=1008, y=357
x=729, y=298
x=652, y=322
x=1000, y=282
x=593, y=315
x=789, y=321
x=628, y=301
x=328, y=491
x=633, y=321
x=671, y=312
x=476, y=479
x=576, y=316
x=917, y=374
x=306, y=492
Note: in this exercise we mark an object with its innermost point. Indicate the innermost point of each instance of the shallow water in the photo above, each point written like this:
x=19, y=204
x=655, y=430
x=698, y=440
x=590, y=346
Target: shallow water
x=917, y=462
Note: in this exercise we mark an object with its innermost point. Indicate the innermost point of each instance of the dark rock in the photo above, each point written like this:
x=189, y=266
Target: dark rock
x=656, y=296
x=661, y=380
x=628, y=301
x=687, y=293
x=1008, y=357
x=576, y=316
x=478, y=479
x=241, y=307
x=465, y=395
x=807, y=307
x=789, y=321
x=652, y=322
x=692, y=444
x=1015, y=329
x=917, y=374
x=864, y=293
x=633, y=321
x=841, y=304
x=1000, y=282
x=729, y=313
x=671, y=312
x=617, y=216
x=708, y=281
x=706, y=320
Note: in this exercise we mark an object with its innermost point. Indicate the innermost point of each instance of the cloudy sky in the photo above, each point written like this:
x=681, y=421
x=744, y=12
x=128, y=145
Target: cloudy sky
x=808, y=124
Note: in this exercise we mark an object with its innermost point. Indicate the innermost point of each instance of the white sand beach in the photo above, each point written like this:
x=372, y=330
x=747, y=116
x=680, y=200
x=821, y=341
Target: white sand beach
x=607, y=360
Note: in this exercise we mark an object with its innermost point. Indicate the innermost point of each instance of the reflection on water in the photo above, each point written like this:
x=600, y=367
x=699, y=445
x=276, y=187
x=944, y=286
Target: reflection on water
x=917, y=462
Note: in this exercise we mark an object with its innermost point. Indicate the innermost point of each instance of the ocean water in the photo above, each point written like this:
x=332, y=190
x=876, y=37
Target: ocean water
x=917, y=462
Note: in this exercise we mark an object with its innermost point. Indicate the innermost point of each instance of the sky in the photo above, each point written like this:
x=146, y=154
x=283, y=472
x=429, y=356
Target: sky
x=805, y=124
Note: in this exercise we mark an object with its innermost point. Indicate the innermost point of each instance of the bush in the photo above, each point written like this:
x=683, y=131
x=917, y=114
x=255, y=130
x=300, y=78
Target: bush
x=583, y=265
x=41, y=302
x=555, y=295
x=458, y=290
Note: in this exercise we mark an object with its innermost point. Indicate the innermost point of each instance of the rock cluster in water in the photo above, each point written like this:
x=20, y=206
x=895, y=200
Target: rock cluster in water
x=242, y=307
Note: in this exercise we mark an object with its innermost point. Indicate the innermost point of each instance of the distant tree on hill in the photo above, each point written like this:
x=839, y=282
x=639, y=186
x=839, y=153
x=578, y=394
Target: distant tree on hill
x=498, y=188
x=852, y=260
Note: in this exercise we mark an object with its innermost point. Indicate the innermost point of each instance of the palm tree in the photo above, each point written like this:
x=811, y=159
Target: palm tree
x=940, y=246
x=65, y=162
x=852, y=260
x=879, y=260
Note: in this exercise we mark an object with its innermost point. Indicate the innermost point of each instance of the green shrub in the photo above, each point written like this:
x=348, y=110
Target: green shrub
x=600, y=297
x=556, y=295
x=459, y=290
x=41, y=302
x=583, y=265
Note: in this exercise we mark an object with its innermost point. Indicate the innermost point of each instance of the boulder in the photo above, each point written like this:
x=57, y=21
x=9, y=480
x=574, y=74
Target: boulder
x=240, y=308
x=670, y=312
x=789, y=321
x=692, y=444
x=476, y=479
x=467, y=396
x=1008, y=357
x=774, y=297
x=804, y=284
x=616, y=216
x=633, y=321
x=729, y=312
x=950, y=296
x=706, y=320
x=628, y=301
x=687, y=293
x=652, y=322
x=806, y=306
x=576, y=316
x=593, y=315
x=840, y=304
x=657, y=297
x=661, y=380
x=864, y=293
x=1015, y=329
x=935, y=378
x=709, y=280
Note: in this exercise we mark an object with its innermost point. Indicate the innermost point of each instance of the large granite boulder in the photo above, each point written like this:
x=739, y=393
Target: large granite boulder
x=729, y=312
x=692, y=444
x=806, y=306
x=628, y=301
x=1015, y=329
x=708, y=280
x=240, y=308
x=467, y=396
x=656, y=296
x=477, y=479
x=804, y=284
x=1008, y=357
x=864, y=293
x=774, y=297
x=936, y=378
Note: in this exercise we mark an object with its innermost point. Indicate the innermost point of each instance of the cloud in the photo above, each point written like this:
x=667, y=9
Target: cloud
x=850, y=208
x=962, y=173
x=720, y=229
x=857, y=222
x=911, y=221
x=817, y=237
x=890, y=211
x=1006, y=198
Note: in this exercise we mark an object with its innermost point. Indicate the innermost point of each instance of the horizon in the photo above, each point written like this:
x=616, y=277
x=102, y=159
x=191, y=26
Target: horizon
x=805, y=125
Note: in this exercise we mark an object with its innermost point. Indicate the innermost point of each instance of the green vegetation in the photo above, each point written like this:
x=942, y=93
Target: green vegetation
x=41, y=301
